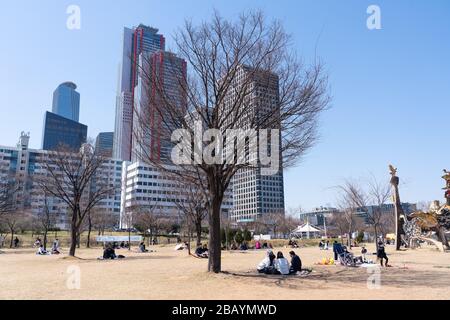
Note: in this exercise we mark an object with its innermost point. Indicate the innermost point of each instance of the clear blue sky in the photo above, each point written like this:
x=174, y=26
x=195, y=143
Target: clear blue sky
x=390, y=87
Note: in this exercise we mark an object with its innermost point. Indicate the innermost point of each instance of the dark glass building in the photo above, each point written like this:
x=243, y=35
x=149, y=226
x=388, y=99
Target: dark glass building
x=62, y=131
x=104, y=144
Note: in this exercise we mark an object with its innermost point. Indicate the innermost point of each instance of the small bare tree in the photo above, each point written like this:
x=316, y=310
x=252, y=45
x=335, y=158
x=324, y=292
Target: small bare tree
x=147, y=220
x=45, y=219
x=69, y=177
x=14, y=221
x=378, y=193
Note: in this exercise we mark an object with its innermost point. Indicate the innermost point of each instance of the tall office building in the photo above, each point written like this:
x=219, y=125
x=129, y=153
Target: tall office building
x=141, y=39
x=104, y=144
x=66, y=101
x=164, y=72
x=60, y=131
x=254, y=192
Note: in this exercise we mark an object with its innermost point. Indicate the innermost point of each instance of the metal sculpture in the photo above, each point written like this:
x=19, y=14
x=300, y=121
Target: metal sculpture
x=430, y=226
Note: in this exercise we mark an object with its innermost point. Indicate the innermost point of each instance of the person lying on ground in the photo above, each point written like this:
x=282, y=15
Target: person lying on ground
x=281, y=264
x=296, y=263
x=267, y=264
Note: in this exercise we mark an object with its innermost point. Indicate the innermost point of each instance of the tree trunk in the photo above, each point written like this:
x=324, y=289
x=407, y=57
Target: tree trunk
x=12, y=239
x=73, y=242
x=45, y=239
x=88, y=242
x=215, y=250
x=73, y=234
x=198, y=230
x=376, y=236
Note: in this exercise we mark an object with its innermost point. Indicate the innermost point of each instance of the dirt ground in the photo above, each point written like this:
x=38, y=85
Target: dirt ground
x=169, y=274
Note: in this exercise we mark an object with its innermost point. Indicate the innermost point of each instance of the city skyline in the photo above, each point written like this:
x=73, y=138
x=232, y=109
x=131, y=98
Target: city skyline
x=349, y=147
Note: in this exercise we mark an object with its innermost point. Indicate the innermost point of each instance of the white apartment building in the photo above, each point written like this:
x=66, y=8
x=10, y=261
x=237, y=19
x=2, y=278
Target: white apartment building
x=21, y=166
x=145, y=186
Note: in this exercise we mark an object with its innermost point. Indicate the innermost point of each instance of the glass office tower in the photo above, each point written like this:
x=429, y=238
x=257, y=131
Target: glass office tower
x=104, y=144
x=59, y=131
x=66, y=101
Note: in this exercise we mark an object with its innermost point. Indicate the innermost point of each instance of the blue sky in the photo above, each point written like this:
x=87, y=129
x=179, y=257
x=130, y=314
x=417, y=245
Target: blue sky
x=390, y=87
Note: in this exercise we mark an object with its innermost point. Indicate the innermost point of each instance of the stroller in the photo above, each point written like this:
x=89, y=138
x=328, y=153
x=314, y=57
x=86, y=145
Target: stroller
x=345, y=258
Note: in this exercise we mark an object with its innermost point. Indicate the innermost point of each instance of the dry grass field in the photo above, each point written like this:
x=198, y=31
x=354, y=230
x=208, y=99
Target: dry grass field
x=169, y=274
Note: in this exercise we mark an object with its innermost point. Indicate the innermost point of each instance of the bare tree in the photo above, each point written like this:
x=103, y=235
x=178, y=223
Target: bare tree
x=13, y=221
x=45, y=219
x=68, y=177
x=378, y=193
x=233, y=67
x=147, y=220
x=103, y=220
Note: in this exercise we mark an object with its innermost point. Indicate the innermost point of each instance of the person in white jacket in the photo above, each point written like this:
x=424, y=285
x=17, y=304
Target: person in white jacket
x=267, y=265
x=281, y=264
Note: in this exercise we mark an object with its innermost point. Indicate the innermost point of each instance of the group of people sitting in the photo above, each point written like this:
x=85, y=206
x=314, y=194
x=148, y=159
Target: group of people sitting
x=279, y=264
x=42, y=250
x=202, y=251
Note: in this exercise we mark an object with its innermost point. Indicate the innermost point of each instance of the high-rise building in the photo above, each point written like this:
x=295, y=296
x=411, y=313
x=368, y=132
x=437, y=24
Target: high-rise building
x=66, y=101
x=104, y=144
x=255, y=192
x=160, y=90
x=141, y=39
x=60, y=131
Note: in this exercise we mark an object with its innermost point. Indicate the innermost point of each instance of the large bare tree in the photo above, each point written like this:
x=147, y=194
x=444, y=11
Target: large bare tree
x=69, y=177
x=232, y=68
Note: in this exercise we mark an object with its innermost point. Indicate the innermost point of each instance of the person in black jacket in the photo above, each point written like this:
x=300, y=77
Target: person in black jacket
x=335, y=243
x=381, y=254
x=296, y=263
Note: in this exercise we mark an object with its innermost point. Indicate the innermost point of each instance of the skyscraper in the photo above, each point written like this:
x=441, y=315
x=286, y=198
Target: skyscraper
x=60, y=131
x=255, y=193
x=159, y=90
x=66, y=101
x=141, y=39
x=104, y=144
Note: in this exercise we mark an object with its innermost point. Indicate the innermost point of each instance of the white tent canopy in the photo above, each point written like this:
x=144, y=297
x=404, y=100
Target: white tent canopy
x=306, y=229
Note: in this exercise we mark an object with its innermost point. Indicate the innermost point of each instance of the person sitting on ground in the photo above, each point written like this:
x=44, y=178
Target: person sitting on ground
x=122, y=245
x=243, y=246
x=234, y=246
x=16, y=242
x=281, y=264
x=381, y=254
x=321, y=245
x=38, y=242
x=41, y=251
x=257, y=245
x=267, y=264
x=142, y=248
x=265, y=246
x=296, y=263
x=363, y=253
x=109, y=253
x=201, y=252
x=55, y=247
